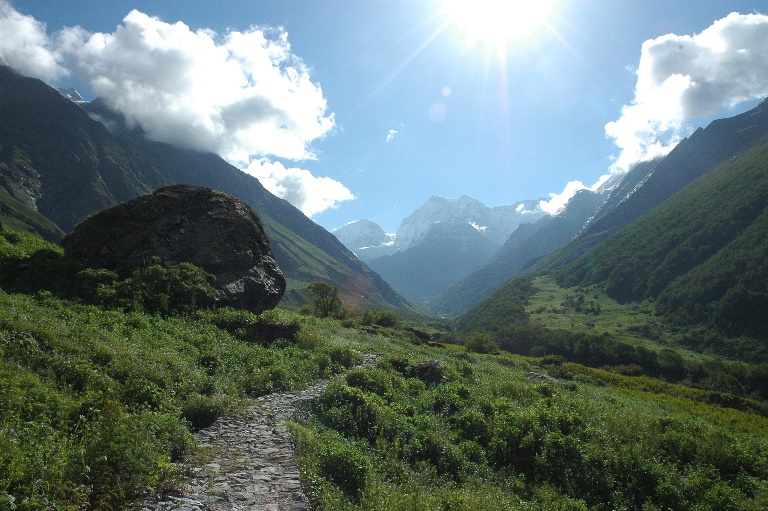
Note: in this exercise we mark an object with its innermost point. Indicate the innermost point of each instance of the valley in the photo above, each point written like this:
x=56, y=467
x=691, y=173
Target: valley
x=612, y=354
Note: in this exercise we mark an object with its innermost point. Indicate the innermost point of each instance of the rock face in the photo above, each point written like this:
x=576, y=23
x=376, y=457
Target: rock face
x=184, y=223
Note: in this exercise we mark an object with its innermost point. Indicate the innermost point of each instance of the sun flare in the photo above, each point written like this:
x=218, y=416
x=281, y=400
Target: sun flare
x=496, y=22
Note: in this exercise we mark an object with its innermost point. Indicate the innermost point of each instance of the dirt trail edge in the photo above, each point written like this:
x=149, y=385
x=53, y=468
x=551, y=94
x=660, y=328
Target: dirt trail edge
x=248, y=460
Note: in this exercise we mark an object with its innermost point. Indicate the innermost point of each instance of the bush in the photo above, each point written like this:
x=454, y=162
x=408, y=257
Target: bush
x=265, y=329
x=481, y=342
x=202, y=411
x=345, y=465
x=154, y=288
x=383, y=318
x=373, y=380
x=348, y=410
x=126, y=454
x=345, y=357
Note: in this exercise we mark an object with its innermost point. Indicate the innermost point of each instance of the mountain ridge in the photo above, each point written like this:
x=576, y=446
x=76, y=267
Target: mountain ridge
x=58, y=161
x=698, y=261
x=644, y=187
x=442, y=241
x=529, y=242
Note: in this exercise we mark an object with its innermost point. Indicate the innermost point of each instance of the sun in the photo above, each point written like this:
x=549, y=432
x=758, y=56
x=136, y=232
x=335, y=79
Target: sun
x=495, y=23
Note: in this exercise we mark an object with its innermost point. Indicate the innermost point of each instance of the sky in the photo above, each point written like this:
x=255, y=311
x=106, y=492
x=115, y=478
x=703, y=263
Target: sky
x=365, y=109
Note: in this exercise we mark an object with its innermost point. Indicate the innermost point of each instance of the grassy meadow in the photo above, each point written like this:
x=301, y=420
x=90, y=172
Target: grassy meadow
x=103, y=379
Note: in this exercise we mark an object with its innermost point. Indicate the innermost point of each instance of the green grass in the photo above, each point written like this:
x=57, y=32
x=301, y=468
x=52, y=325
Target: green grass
x=492, y=434
x=590, y=310
x=106, y=399
x=97, y=402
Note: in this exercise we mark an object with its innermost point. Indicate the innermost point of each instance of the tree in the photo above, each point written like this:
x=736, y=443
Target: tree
x=326, y=298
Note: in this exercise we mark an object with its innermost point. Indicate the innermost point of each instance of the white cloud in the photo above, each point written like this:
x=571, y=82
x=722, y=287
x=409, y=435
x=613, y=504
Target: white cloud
x=299, y=187
x=243, y=95
x=24, y=45
x=557, y=201
x=680, y=77
x=391, y=134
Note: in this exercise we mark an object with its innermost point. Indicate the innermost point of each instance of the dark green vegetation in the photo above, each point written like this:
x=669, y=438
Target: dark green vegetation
x=536, y=317
x=670, y=296
x=437, y=429
x=99, y=391
x=701, y=258
x=58, y=165
x=100, y=388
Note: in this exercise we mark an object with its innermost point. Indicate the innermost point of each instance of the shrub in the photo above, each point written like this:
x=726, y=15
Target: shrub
x=265, y=329
x=481, y=342
x=345, y=357
x=154, y=288
x=348, y=410
x=202, y=411
x=430, y=372
x=384, y=318
x=126, y=453
x=373, y=380
x=345, y=465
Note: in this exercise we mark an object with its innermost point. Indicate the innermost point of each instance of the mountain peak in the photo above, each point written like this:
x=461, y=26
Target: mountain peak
x=496, y=223
x=363, y=235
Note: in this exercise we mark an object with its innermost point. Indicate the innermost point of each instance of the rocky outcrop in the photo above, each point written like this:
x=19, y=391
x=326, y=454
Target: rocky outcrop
x=183, y=223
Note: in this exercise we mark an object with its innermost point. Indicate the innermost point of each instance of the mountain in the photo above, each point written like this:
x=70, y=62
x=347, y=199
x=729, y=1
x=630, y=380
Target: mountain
x=628, y=184
x=494, y=223
x=58, y=165
x=701, y=256
x=529, y=242
x=691, y=158
x=447, y=252
x=366, y=239
x=441, y=242
x=649, y=184
x=645, y=186
x=699, y=259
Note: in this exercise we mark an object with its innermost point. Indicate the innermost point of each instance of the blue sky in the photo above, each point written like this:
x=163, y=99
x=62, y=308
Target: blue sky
x=386, y=102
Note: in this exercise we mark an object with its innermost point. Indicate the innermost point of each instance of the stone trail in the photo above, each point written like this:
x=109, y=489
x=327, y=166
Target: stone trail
x=248, y=461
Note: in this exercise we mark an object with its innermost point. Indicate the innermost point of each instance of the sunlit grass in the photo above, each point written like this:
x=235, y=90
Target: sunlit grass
x=591, y=311
x=96, y=404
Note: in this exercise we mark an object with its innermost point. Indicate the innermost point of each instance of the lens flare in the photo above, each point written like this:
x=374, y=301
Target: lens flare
x=497, y=22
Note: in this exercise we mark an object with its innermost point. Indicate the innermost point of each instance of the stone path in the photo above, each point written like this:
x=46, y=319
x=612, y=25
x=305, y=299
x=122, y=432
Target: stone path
x=246, y=461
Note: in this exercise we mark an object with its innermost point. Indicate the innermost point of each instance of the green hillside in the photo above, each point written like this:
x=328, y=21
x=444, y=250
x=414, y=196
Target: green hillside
x=680, y=294
x=58, y=165
x=98, y=400
x=701, y=254
x=698, y=259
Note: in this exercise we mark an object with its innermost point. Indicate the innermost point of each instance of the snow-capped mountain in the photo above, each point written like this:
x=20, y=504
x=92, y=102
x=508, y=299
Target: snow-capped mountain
x=369, y=241
x=366, y=239
x=495, y=223
x=442, y=241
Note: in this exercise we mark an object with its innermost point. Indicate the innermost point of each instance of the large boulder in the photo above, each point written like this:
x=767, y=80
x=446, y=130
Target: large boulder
x=184, y=223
